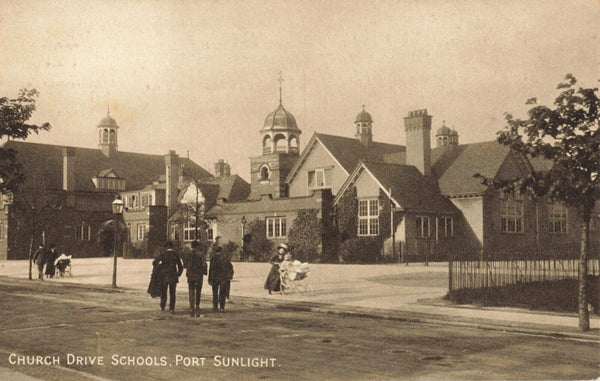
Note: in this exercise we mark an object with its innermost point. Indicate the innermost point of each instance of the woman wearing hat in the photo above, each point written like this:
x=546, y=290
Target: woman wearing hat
x=273, y=283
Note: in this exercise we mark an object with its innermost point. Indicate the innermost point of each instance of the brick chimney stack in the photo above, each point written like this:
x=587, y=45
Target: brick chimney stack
x=222, y=169
x=68, y=169
x=418, y=141
x=172, y=177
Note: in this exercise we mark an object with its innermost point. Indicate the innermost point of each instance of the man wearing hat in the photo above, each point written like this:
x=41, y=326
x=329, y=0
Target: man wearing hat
x=40, y=259
x=219, y=277
x=170, y=267
x=273, y=283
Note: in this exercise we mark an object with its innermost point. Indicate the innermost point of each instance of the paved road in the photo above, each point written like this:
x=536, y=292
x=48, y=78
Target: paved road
x=70, y=323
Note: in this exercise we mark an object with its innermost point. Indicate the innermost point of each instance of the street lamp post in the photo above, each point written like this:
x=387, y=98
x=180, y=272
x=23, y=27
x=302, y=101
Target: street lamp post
x=243, y=221
x=117, y=209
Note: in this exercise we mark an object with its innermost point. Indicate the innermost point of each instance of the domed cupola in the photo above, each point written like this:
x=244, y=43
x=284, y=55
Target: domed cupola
x=280, y=119
x=446, y=137
x=363, y=124
x=107, y=135
x=280, y=133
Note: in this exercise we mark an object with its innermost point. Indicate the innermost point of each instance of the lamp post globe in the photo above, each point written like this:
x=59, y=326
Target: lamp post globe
x=117, y=209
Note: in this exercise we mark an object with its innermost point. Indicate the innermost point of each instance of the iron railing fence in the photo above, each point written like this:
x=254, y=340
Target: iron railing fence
x=484, y=274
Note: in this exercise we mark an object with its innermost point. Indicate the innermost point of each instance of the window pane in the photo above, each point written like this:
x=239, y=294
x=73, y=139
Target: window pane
x=374, y=207
x=362, y=208
x=283, y=227
x=311, y=178
x=374, y=226
x=328, y=177
x=320, y=178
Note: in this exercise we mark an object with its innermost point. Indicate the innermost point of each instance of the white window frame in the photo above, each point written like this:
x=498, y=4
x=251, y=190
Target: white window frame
x=368, y=217
x=146, y=200
x=189, y=231
x=446, y=227
x=512, y=218
x=558, y=217
x=276, y=227
x=1, y=232
x=314, y=176
x=422, y=223
x=141, y=231
x=84, y=232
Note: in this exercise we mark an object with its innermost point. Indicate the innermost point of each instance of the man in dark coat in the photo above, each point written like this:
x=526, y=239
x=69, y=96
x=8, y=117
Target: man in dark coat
x=50, y=258
x=40, y=260
x=195, y=271
x=170, y=268
x=219, y=277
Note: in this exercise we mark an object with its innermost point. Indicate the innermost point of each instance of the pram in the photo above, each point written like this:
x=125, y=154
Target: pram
x=63, y=265
x=294, y=276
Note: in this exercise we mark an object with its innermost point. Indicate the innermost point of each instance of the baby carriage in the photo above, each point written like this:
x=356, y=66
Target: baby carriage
x=63, y=265
x=294, y=276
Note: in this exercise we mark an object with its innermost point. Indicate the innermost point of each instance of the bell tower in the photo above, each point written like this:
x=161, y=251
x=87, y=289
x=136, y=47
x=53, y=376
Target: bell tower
x=280, y=138
x=107, y=135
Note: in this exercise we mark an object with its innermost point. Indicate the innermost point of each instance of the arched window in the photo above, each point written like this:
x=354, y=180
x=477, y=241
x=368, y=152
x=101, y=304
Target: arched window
x=281, y=144
x=112, y=138
x=267, y=143
x=264, y=173
x=105, y=136
x=294, y=143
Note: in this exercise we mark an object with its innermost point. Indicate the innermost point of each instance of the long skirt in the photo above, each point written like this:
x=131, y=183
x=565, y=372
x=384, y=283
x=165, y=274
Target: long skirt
x=50, y=269
x=273, y=282
x=155, y=288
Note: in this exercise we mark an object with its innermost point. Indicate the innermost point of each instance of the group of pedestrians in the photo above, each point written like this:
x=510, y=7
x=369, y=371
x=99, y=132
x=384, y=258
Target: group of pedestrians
x=168, y=267
x=45, y=257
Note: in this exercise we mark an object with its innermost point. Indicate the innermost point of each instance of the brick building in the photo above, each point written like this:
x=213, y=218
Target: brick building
x=67, y=194
x=437, y=207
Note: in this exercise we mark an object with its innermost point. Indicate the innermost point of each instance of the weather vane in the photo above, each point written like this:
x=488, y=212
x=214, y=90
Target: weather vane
x=280, y=79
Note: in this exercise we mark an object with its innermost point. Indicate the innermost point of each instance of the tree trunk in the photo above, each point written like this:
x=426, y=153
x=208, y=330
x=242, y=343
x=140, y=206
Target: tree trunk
x=30, y=255
x=584, y=316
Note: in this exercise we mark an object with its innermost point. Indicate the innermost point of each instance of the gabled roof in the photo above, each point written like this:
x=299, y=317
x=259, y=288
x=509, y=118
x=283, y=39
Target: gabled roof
x=138, y=169
x=233, y=188
x=484, y=158
x=346, y=151
x=410, y=190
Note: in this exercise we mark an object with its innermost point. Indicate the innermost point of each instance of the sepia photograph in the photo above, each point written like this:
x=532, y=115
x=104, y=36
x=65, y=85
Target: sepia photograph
x=299, y=190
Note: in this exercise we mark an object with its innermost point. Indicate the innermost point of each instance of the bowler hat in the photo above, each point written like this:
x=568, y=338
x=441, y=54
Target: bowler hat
x=283, y=246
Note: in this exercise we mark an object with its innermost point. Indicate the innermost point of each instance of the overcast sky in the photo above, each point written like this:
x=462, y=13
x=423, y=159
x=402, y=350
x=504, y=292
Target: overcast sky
x=201, y=76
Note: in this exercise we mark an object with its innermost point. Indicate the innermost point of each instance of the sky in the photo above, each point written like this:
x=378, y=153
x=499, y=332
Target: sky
x=201, y=76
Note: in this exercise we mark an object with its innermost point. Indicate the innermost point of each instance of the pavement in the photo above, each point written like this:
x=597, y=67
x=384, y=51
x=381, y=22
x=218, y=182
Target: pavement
x=394, y=291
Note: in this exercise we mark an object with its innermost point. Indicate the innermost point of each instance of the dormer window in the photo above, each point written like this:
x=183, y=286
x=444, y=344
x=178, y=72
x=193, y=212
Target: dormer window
x=108, y=179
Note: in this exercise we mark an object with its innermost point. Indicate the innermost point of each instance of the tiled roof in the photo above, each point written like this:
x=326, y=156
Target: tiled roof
x=484, y=158
x=233, y=188
x=349, y=151
x=138, y=169
x=409, y=187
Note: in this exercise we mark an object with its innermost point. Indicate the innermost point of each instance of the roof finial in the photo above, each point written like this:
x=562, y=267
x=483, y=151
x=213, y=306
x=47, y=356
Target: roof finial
x=107, y=109
x=280, y=79
x=444, y=123
x=363, y=107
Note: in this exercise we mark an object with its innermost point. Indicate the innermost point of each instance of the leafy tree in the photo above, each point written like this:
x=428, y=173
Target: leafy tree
x=305, y=235
x=568, y=135
x=258, y=245
x=14, y=114
x=347, y=214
